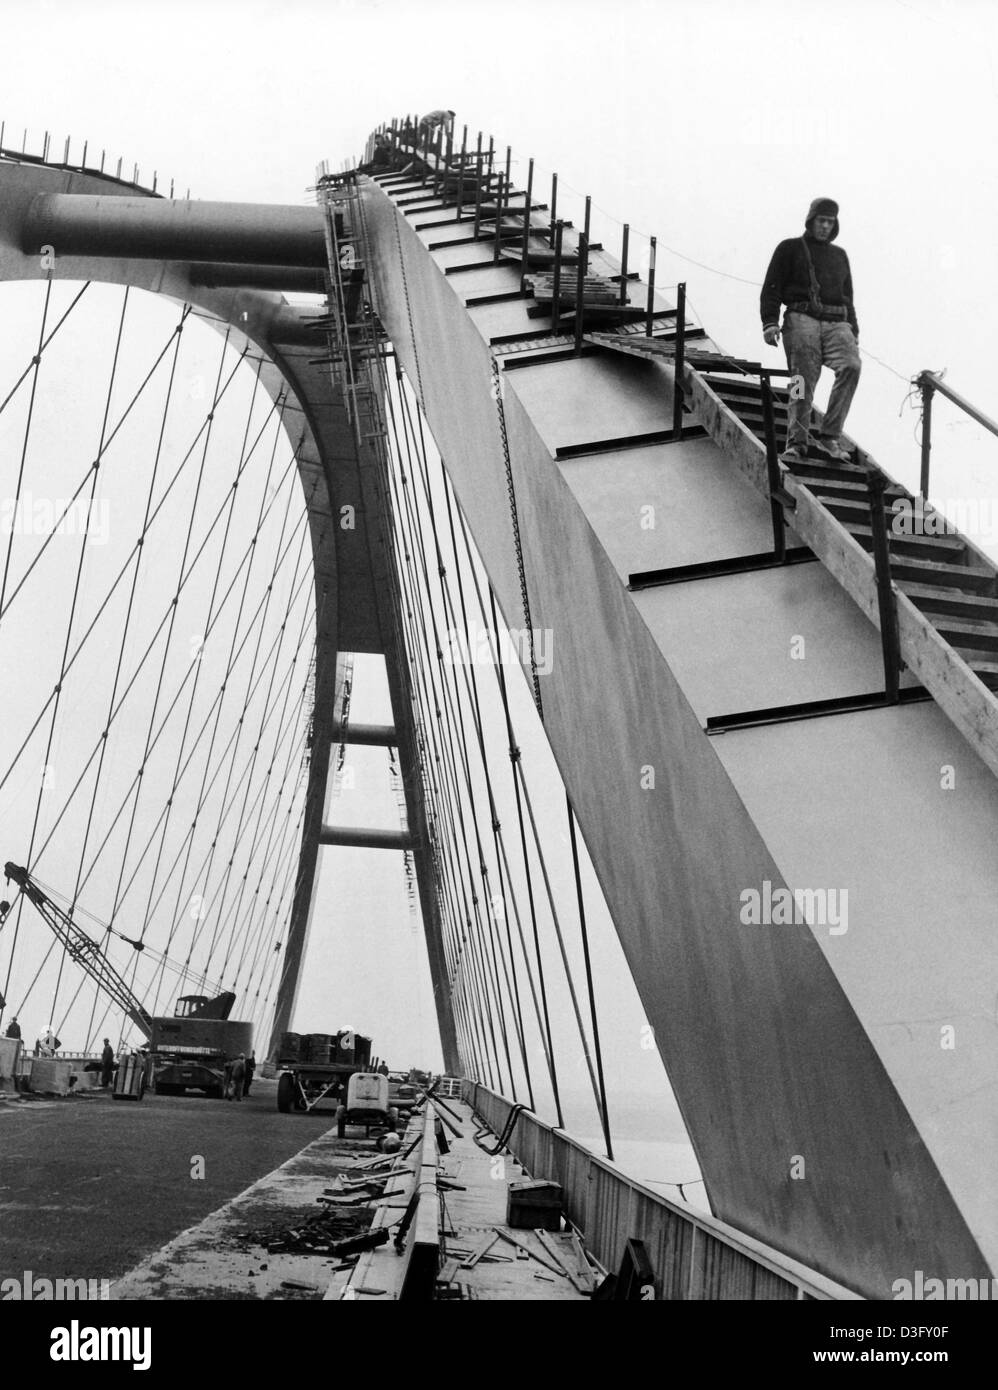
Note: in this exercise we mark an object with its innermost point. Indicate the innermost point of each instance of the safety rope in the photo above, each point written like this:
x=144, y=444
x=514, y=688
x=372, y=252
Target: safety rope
x=601, y=1100
x=498, y=384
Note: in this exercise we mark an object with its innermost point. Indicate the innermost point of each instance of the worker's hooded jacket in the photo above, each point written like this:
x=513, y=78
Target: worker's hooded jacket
x=788, y=282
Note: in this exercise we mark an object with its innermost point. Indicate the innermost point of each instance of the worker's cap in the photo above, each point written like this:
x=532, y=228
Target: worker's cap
x=824, y=207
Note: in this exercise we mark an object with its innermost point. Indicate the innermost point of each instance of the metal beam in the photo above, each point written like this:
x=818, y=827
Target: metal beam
x=81, y=224
x=371, y=735
x=294, y=279
x=357, y=837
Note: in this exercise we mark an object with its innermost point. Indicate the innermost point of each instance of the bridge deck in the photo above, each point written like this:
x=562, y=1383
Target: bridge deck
x=471, y=1216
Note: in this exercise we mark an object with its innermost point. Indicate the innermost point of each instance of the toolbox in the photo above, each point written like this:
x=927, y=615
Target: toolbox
x=533, y=1204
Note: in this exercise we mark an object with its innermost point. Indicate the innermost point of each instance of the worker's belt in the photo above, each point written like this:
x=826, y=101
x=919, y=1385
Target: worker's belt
x=827, y=312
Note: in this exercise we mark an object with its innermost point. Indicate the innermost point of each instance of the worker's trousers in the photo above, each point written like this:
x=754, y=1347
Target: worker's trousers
x=811, y=344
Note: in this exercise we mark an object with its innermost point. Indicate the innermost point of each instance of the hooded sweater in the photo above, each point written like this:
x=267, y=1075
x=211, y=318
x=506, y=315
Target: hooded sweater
x=787, y=280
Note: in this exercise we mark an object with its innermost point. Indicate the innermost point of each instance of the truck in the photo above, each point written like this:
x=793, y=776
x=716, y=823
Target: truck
x=318, y=1068
x=191, y=1050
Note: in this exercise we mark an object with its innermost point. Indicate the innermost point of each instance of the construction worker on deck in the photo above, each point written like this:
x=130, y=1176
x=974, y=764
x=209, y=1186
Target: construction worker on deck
x=381, y=159
x=106, y=1063
x=812, y=278
x=236, y=1078
x=431, y=121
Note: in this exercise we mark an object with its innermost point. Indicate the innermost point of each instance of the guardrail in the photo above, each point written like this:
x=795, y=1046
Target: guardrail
x=928, y=383
x=692, y=1254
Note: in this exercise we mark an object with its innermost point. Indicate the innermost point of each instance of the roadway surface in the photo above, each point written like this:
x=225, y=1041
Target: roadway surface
x=90, y=1186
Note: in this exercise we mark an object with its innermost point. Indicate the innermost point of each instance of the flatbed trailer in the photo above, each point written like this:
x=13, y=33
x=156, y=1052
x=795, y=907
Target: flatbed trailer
x=305, y=1085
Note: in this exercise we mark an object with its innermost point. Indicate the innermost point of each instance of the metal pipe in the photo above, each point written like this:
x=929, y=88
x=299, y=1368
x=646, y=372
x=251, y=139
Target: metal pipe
x=772, y=467
x=651, y=287
x=478, y=185
x=623, y=262
x=580, y=288
x=926, y=385
x=460, y=177
x=939, y=385
x=889, y=639
x=498, y=238
x=584, y=242
x=678, y=398
x=554, y=207
x=526, y=225
x=556, y=288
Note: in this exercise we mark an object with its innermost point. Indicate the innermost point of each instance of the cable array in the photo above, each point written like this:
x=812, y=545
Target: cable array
x=161, y=675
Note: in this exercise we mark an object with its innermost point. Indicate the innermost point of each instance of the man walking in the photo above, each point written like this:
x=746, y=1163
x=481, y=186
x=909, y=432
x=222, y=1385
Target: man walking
x=812, y=278
x=238, y=1075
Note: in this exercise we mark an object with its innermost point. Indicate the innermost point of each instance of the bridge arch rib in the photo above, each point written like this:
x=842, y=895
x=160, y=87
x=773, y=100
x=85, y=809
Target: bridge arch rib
x=233, y=272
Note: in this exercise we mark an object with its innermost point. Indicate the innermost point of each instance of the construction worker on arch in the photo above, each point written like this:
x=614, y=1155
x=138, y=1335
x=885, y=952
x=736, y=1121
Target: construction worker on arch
x=432, y=120
x=813, y=279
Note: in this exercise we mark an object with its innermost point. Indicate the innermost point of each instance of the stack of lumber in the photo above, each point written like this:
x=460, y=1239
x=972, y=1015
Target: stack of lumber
x=596, y=289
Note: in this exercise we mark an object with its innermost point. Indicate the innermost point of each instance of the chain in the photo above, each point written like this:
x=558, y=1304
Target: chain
x=497, y=386
x=408, y=310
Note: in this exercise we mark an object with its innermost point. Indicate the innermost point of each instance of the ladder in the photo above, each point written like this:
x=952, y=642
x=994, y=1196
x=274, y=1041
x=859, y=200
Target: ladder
x=355, y=335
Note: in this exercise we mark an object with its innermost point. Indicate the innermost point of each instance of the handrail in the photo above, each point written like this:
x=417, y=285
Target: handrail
x=695, y=1255
x=929, y=382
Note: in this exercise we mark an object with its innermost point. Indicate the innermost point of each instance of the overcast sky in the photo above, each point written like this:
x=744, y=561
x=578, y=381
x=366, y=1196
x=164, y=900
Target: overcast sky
x=709, y=123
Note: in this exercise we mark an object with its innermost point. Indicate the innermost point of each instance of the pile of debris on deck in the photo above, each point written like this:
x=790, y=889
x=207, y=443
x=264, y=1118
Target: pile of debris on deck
x=342, y=1226
x=561, y=1256
x=532, y=1233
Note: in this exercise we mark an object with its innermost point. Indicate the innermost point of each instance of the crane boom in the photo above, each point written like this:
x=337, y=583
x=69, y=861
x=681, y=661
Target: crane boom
x=83, y=949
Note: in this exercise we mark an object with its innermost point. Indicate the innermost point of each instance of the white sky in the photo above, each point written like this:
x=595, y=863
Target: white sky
x=709, y=123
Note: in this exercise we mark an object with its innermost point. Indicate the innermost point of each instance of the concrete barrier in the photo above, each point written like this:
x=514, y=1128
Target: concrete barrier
x=49, y=1076
x=10, y=1050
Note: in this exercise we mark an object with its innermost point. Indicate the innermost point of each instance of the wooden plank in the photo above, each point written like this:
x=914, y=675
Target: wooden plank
x=566, y=1248
x=547, y=1240
x=481, y=1249
x=521, y=1245
x=584, y=1269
